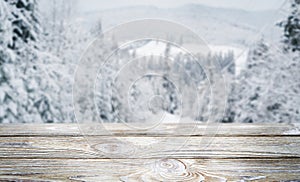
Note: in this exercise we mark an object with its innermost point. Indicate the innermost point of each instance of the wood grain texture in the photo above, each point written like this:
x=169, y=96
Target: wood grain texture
x=159, y=147
x=151, y=170
x=236, y=152
x=182, y=129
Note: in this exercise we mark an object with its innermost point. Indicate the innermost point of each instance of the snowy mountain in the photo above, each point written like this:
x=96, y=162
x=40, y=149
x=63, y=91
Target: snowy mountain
x=218, y=26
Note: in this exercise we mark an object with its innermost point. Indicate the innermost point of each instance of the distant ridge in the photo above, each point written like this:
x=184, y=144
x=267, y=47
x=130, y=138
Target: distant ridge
x=216, y=25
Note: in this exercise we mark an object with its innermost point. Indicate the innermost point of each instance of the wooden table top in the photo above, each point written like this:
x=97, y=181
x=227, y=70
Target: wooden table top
x=168, y=152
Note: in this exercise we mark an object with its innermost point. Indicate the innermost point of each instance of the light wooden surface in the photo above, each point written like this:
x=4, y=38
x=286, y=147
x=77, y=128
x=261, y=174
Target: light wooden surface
x=170, y=152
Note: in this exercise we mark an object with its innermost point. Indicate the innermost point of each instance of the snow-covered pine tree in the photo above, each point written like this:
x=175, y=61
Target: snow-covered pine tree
x=266, y=91
x=253, y=87
x=292, y=27
x=24, y=21
x=97, y=30
x=170, y=96
x=24, y=91
x=63, y=41
x=63, y=36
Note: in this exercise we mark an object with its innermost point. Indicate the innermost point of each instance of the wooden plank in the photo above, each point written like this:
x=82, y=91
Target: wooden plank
x=236, y=152
x=151, y=170
x=182, y=129
x=148, y=147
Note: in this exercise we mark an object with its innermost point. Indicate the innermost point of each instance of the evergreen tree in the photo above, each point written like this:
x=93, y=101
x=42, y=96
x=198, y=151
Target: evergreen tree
x=292, y=27
x=23, y=89
x=267, y=90
x=23, y=18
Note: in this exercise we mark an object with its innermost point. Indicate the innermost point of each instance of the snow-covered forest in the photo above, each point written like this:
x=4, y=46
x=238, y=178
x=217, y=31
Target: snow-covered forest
x=41, y=43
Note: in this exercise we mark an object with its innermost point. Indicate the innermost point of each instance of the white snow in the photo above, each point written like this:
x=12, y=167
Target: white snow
x=157, y=48
x=295, y=131
x=171, y=118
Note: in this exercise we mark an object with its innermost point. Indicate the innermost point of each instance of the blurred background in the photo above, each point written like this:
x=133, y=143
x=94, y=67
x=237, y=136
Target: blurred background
x=256, y=45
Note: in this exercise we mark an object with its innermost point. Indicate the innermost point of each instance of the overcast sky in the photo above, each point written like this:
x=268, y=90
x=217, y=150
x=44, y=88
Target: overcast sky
x=89, y=5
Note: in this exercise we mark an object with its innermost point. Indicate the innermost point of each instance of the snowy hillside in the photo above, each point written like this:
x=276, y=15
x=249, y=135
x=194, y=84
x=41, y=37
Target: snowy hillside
x=223, y=29
x=215, y=25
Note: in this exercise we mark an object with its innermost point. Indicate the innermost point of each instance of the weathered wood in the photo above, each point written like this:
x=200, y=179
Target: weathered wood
x=235, y=152
x=182, y=129
x=137, y=147
x=151, y=170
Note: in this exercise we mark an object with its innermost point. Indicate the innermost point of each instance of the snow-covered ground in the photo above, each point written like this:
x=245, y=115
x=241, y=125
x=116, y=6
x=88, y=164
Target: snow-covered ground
x=157, y=48
x=171, y=118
